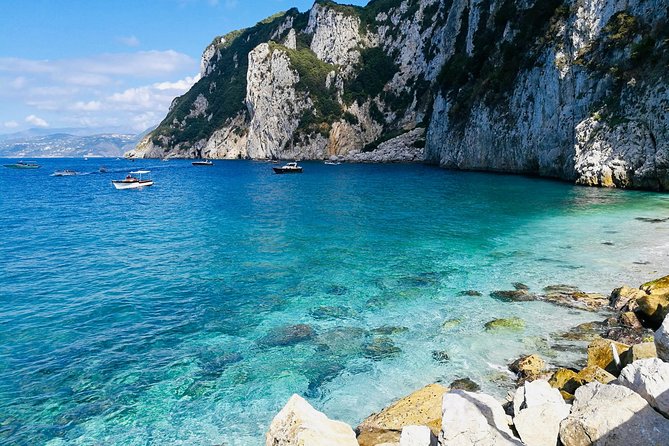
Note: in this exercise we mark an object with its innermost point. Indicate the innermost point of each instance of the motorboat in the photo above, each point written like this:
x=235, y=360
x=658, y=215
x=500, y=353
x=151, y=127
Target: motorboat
x=288, y=168
x=332, y=163
x=202, y=163
x=23, y=165
x=64, y=173
x=132, y=182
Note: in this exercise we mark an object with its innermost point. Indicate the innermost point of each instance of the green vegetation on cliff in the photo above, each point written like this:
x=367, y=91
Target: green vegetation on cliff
x=313, y=74
x=224, y=88
x=490, y=72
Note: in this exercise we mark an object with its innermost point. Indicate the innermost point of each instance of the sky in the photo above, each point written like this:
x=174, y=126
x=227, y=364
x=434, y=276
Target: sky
x=109, y=65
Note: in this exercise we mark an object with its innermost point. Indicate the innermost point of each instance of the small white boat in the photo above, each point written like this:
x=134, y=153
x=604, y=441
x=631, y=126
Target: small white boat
x=202, y=163
x=64, y=173
x=23, y=165
x=288, y=168
x=131, y=182
x=332, y=163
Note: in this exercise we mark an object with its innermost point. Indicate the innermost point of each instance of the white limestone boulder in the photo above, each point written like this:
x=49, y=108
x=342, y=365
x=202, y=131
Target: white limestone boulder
x=612, y=415
x=539, y=409
x=650, y=379
x=299, y=424
x=417, y=436
x=662, y=340
x=474, y=419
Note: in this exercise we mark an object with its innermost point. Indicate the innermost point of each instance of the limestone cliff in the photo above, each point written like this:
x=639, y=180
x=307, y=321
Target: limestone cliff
x=573, y=89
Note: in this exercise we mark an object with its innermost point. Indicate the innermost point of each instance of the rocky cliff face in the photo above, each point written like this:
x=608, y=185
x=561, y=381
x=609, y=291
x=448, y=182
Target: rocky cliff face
x=575, y=90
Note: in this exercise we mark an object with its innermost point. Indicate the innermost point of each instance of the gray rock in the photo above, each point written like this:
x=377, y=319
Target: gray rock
x=662, y=340
x=474, y=419
x=650, y=379
x=612, y=415
x=417, y=436
x=287, y=335
x=539, y=409
x=464, y=384
x=299, y=424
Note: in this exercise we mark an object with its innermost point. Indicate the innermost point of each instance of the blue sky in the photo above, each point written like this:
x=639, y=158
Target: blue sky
x=109, y=64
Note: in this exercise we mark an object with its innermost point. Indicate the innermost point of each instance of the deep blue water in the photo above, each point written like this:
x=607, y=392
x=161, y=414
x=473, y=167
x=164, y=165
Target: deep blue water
x=158, y=316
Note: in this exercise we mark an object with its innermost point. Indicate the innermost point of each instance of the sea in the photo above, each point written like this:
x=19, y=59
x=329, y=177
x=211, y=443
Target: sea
x=188, y=313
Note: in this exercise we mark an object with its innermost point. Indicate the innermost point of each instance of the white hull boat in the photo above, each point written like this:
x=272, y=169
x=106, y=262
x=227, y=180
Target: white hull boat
x=131, y=182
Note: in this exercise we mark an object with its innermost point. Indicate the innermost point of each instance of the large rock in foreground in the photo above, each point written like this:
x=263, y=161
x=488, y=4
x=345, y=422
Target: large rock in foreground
x=422, y=408
x=474, y=419
x=299, y=424
x=538, y=410
x=650, y=379
x=662, y=340
x=612, y=415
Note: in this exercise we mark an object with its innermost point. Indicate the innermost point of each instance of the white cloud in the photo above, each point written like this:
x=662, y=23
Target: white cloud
x=129, y=41
x=138, y=64
x=36, y=121
x=123, y=89
x=183, y=84
x=86, y=106
x=18, y=82
x=10, y=124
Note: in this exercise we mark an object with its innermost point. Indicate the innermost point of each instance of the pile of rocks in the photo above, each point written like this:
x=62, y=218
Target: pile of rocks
x=620, y=398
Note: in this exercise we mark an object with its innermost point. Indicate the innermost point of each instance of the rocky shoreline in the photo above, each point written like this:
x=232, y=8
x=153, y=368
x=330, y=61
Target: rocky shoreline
x=620, y=397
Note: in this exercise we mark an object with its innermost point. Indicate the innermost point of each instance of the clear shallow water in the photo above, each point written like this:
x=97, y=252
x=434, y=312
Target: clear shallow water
x=146, y=316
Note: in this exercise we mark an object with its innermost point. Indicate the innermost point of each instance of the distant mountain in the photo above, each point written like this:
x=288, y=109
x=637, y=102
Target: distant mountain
x=65, y=145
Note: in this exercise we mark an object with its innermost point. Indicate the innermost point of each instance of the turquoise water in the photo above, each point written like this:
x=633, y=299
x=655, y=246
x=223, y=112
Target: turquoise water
x=158, y=316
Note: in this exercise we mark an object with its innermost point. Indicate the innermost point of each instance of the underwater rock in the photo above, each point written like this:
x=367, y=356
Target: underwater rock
x=332, y=312
x=419, y=280
x=465, y=384
x=389, y=330
x=513, y=295
x=570, y=296
x=287, y=335
x=472, y=293
x=319, y=371
x=342, y=341
x=213, y=365
x=450, y=323
x=512, y=323
x=440, y=356
x=336, y=290
x=652, y=220
x=380, y=348
x=519, y=286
